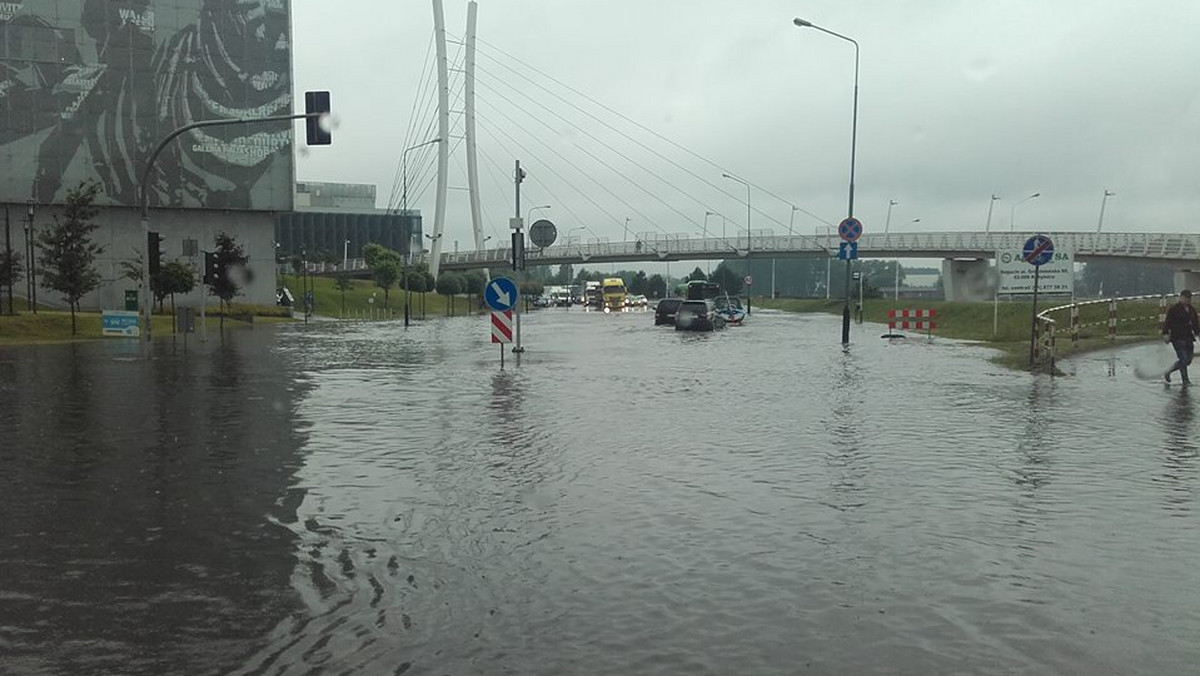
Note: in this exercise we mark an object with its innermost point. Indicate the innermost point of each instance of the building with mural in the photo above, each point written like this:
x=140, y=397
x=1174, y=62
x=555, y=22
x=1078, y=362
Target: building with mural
x=88, y=88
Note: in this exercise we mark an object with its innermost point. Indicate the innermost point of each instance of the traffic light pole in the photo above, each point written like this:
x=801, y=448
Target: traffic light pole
x=144, y=291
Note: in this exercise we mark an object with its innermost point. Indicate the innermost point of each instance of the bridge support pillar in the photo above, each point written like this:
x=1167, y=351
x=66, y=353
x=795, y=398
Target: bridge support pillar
x=967, y=279
x=1187, y=279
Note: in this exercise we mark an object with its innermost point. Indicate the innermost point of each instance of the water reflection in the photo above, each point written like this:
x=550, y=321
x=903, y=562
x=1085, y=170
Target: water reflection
x=361, y=499
x=133, y=504
x=1179, y=451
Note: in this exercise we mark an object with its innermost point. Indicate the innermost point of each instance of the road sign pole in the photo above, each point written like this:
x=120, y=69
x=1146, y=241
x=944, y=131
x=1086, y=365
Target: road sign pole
x=1033, y=327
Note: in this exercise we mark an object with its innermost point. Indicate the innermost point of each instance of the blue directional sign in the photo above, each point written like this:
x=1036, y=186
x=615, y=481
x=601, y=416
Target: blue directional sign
x=501, y=294
x=1038, y=250
x=850, y=229
x=848, y=251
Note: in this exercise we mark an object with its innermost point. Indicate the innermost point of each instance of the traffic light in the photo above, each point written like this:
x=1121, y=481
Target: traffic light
x=316, y=106
x=154, y=248
x=212, y=270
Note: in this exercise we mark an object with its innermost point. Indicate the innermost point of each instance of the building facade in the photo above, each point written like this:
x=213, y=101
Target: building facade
x=88, y=88
x=341, y=218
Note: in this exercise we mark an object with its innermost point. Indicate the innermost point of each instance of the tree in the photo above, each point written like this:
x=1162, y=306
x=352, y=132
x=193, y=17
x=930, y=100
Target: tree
x=385, y=272
x=475, y=281
x=385, y=266
x=564, y=275
x=656, y=287
x=175, y=277
x=10, y=273
x=730, y=281
x=451, y=284
x=698, y=274
x=637, y=285
x=68, y=254
x=227, y=256
x=343, y=284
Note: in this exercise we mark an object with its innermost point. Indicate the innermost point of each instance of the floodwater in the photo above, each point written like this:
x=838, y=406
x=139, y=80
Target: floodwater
x=357, y=499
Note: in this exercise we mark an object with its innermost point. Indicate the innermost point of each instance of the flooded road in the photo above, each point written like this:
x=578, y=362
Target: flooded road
x=352, y=498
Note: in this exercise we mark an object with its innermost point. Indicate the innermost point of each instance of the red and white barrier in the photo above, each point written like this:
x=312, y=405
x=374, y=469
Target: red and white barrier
x=502, y=327
x=915, y=320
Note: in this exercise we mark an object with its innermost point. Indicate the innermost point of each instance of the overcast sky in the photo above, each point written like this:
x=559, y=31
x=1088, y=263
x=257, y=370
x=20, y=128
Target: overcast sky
x=958, y=100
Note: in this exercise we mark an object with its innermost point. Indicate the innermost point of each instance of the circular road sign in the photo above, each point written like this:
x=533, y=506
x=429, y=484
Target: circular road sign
x=850, y=229
x=1038, y=250
x=501, y=294
x=748, y=280
x=542, y=233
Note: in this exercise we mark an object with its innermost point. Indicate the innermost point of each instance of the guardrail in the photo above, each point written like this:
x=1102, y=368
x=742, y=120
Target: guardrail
x=1045, y=344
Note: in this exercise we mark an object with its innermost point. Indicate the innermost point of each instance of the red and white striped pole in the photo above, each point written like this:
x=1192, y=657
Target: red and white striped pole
x=1075, y=325
x=1112, y=321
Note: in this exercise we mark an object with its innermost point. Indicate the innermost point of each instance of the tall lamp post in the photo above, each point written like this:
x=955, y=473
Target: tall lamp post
x=345, y=255
x=735, y=178
x=404, y=190
x=1107, y=193
x=988, y=226
x=529, y=214
x=853, y=147
x=888, y=221
x=31, y=269
x=1012, y=217
x=708, y=261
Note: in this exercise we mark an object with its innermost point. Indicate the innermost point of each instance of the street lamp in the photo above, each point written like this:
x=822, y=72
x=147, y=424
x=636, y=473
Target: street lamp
x=853, y=147
x=988, y=226
x=31, y=276
x=735, y=178
x=345, y=255
x=888, y=221
x=529, y=214
x=404, y=193
x=1012, y=217
x=1107, y=193
x=626, y=235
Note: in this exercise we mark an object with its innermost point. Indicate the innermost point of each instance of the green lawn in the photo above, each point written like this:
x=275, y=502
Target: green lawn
x=358, y=305
x=1138, y=321
x=54, y=326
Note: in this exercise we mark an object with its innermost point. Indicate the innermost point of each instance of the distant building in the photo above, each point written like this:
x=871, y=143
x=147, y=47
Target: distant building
x=328, y=215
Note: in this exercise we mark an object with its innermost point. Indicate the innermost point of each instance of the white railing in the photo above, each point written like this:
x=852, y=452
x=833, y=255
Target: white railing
x=1044, y=347
x=1155, y=246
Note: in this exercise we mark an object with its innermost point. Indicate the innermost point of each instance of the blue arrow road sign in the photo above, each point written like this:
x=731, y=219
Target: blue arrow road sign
x=1038, y=250
x=501, y=294
x=848, y=251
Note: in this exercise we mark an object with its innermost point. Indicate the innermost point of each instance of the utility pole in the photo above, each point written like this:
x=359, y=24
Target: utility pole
x=518, y=247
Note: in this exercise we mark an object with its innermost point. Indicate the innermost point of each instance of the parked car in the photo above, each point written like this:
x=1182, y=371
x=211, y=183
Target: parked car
x=541, y=301
x=664, y=313
x=698, y=315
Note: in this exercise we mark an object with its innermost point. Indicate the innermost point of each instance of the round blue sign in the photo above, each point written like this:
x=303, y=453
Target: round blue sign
x=501, y=294
x=850, y=229
x=1038, y=250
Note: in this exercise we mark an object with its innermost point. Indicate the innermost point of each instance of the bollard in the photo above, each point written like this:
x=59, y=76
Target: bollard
x=1112, y=321
x=1075, y=326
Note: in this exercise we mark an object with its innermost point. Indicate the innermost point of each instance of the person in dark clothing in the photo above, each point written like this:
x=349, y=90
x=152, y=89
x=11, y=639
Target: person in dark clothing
x=1180, y=328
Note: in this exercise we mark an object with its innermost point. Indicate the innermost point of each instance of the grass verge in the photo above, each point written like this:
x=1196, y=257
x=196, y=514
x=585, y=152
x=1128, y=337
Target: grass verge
x=1008, y=330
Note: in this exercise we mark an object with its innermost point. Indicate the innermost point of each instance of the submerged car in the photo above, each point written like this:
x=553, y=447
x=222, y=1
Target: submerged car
x=698, y=315
x=665, y=312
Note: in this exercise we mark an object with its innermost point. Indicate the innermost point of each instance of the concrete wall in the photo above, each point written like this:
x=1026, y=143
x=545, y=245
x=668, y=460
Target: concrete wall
x=120, y=233
x=968, y=280
x=1187, y=279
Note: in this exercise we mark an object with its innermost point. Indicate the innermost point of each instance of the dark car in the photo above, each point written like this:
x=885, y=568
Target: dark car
x=698, y=315
x=665, y=312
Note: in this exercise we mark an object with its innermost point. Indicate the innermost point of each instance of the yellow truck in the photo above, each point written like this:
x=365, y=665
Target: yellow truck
x=613, y=290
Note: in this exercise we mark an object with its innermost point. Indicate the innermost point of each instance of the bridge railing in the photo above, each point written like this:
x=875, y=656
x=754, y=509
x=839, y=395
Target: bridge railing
x=1173, y=247
x=1106, y=312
